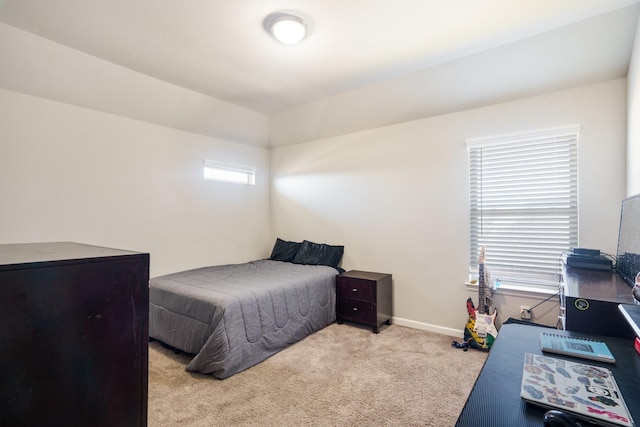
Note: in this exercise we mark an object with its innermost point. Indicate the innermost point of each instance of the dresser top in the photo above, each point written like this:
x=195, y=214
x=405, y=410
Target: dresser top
x=27, y=253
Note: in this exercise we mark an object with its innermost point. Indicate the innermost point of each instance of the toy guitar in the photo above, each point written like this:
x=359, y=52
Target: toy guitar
x=480, y=331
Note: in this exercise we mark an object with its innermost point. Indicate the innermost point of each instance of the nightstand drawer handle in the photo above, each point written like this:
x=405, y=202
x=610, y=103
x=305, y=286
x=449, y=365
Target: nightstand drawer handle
x=354, y=290
x=355, y=308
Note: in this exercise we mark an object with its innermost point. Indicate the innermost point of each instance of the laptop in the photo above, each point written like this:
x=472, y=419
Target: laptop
x=584, y=391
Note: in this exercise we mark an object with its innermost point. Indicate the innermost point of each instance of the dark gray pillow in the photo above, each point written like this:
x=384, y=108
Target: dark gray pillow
x=284, y=251
x=318, y=254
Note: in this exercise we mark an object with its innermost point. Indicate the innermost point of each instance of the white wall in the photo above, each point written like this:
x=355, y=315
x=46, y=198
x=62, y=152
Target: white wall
x=69, y=173
x=633, y=133
x=397, y=196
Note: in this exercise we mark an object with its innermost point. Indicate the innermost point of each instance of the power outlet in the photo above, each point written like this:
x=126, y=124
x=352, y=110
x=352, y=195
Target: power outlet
x=525, y=312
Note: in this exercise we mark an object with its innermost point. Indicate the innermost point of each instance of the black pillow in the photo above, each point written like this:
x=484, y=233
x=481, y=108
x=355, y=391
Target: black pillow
x=284, y=251
x=319, y=254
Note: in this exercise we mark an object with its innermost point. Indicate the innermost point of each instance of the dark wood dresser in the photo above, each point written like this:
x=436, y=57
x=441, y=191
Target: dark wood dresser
x=73, y=335
x=364, y=297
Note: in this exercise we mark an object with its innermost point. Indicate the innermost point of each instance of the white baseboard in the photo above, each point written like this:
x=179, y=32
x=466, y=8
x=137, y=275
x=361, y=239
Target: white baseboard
x=426, y=327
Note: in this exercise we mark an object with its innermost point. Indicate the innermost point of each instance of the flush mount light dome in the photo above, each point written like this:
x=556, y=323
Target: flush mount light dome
x=286, y=27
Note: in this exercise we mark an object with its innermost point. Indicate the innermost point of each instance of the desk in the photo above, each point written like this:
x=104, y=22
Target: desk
x=495, y=398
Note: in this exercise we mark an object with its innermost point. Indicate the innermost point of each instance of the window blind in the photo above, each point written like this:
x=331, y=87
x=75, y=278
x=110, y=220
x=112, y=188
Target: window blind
x=524, y=204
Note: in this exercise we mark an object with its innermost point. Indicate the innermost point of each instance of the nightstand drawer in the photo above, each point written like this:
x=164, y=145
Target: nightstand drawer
x=355, y=310
x=356, y=289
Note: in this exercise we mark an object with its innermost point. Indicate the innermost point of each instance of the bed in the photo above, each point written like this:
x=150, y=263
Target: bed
x=231, y=317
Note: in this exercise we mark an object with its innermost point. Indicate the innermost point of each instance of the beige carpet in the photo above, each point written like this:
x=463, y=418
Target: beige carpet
x=343, y=375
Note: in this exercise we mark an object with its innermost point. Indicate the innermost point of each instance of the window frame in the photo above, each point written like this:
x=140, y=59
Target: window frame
x=548, y=274
x=226, y=172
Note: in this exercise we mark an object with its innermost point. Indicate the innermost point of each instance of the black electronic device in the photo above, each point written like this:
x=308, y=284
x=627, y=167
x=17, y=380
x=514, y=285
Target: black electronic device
x=628, y=252
x=585, y=260
x=584, y=251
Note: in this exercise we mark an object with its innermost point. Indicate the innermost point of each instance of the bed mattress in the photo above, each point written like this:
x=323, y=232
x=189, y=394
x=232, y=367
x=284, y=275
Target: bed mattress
x=232, y=317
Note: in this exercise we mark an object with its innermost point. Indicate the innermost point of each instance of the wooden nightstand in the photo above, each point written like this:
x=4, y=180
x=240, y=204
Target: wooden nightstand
x=364, y=297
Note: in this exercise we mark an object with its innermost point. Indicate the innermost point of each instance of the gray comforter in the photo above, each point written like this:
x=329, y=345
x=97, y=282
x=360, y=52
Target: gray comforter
x=235, y=316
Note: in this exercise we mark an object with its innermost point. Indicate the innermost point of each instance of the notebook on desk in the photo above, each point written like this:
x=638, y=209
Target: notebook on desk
x=584, y=391
x=584, y=348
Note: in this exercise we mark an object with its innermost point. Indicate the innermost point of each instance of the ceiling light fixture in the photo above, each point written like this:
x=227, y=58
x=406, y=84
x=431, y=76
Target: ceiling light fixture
x=287, y=27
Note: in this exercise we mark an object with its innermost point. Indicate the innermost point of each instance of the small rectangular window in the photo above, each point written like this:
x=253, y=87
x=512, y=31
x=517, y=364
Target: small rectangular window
x=227, y=172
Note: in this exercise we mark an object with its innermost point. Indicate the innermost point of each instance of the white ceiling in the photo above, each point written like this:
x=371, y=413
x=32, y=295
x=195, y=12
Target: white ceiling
x=219, y=47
